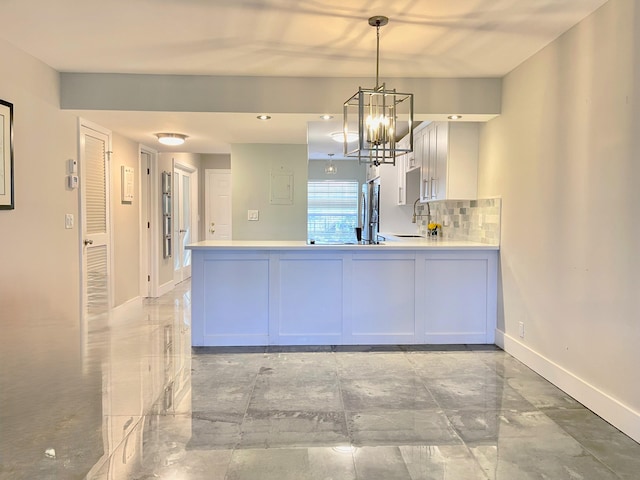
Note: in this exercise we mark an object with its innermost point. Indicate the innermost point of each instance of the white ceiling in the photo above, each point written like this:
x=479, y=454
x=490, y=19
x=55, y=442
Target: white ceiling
x=424, y=38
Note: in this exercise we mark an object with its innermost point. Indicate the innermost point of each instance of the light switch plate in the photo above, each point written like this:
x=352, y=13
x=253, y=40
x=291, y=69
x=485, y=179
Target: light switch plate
x=68, y=220
x=253, y=215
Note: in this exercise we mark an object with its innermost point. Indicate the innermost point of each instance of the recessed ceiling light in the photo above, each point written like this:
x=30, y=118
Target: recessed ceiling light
x=454, y=117
x=326, y=116
x=171, y=139
x=339, y=137
x=263, y=117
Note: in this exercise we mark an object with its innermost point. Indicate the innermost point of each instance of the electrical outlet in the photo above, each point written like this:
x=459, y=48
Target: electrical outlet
x=253, y=215
x=521, y=329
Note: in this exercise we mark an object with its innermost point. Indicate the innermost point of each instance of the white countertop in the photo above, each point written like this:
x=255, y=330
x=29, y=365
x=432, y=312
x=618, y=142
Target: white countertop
x=392, y=243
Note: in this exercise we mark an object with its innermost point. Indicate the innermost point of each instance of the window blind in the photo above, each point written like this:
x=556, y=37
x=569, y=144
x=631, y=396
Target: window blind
x=332, y=212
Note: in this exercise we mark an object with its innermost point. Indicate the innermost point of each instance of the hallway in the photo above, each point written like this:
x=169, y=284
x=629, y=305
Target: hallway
x=143, y=405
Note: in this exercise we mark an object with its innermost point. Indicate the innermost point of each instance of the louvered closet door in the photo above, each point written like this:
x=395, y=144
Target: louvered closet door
x=94, y=170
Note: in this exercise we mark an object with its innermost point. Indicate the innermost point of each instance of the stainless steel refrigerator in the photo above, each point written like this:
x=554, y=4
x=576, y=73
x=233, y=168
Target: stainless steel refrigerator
x=370, y=211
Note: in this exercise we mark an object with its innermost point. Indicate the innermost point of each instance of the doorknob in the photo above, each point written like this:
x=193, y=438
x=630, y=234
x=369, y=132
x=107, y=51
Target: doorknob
x=183, y=231
x=88, y=242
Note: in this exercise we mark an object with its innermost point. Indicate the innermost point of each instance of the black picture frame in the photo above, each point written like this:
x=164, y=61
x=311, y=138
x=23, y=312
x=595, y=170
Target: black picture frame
x=6, y=156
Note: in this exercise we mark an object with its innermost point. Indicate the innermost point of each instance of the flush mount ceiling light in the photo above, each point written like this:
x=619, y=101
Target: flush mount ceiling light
x=326, y=116
x=263, y=117
x=330, y=169
x=340, y=136
x=171, y=139
x=376, y=112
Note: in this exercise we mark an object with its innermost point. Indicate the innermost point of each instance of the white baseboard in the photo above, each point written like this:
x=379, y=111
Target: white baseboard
x=607, y=407
x=165, y=288
x=126, y=310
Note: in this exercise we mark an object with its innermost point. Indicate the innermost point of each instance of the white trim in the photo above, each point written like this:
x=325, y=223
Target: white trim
x=82, y=126
x=194, y=208
x=165, y=288
x=613, y=411
x=126, y=310
x=152, y=198
x=82, y=122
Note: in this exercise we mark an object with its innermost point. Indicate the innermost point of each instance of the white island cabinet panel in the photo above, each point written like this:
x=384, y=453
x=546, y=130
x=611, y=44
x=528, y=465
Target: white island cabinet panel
x=290, y=293
x=234, y=299
x=310, y=297
x=382, y=299
x=459, y=298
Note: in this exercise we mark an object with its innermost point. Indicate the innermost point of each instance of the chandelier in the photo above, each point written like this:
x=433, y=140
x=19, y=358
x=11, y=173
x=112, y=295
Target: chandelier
x=330, y=168
x=377, y=112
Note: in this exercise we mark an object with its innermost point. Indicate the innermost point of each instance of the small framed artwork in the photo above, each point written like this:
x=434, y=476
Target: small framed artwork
x=6, y=156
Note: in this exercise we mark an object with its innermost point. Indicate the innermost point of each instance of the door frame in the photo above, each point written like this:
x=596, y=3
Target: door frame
x=149, y=246
x=84, y=325
x=194, y=208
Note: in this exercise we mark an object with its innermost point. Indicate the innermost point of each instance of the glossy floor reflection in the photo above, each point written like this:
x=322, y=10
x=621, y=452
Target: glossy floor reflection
x=143, y=405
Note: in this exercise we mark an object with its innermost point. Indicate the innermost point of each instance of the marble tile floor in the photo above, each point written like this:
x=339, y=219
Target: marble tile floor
x=158, y=409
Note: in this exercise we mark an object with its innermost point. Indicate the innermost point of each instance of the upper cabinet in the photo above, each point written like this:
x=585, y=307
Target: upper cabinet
x=449, y=161
x=408, y=168
x=411, y=159
x=402, y=179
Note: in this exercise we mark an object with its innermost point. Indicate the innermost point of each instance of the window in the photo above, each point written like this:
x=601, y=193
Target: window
x=332, y=211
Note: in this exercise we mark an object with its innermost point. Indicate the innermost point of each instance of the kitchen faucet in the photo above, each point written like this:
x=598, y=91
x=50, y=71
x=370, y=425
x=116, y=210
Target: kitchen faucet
x=414, y=218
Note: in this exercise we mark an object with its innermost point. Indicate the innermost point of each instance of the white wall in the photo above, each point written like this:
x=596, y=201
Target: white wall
x=251, y=166
x=564, y=156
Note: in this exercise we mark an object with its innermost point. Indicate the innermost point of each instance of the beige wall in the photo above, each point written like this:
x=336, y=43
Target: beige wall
x=126, y=222
x=39, y=258
x=252, y=165
x=564, y=156
x=39, y=269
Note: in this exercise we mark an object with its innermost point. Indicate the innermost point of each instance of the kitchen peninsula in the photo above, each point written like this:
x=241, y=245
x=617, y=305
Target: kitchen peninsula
x=408, y=291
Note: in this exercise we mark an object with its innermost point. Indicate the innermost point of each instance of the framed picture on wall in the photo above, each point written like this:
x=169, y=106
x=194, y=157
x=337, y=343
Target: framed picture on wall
x=6, y=156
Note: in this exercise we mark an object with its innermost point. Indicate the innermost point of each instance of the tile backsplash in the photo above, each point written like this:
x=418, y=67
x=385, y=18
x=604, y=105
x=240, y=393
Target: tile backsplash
x=470, y=220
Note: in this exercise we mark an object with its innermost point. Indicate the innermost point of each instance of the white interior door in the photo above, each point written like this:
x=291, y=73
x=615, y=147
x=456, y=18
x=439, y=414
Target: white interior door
x=185, y=223
x=95, y=146
x=218, y=204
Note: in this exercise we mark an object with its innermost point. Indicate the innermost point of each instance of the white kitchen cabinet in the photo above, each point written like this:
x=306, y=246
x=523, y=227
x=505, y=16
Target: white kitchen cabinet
x=401, y=168
x=291, y=293
x=402, y=180
x=387, y=316
x=427, y=162
x=408, y=168
x=411, y=162
x=408, y=185
x=449, y=156
x=458, y=305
